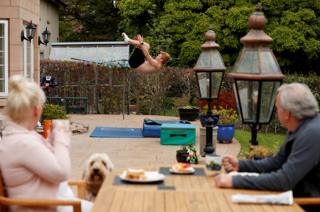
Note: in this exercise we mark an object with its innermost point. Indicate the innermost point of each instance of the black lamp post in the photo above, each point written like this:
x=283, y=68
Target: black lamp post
x=30, y=31
x=209, y=72
x=45, y=37
x=256, y=76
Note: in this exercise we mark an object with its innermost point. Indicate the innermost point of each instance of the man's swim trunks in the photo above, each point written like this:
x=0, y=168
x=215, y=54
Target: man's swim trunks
x=136, y=58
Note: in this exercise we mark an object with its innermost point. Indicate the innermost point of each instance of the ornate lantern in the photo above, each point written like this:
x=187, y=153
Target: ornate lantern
x=30, y=31
x=256, y=76
x=45, y=37
x=209, y=71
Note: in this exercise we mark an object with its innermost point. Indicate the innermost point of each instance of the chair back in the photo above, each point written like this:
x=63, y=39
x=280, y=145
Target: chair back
x=307, y=200
x=5, y=202
x=3, y=193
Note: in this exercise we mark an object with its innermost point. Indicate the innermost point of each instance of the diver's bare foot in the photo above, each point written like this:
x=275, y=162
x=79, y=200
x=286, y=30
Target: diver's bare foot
x=125, y=37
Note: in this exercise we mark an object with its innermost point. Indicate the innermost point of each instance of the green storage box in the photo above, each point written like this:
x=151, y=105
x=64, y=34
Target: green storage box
x=178, y=134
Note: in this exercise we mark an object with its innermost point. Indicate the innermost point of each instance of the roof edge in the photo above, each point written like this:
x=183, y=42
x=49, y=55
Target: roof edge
x=58, y=2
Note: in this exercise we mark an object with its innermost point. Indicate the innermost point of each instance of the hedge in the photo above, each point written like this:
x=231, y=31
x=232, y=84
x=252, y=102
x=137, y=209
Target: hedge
x=106, y=87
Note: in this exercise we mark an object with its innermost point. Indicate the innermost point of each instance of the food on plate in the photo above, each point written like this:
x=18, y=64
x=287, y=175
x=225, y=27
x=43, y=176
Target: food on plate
x=214, y=166
x=181, y=167
x=136, y=174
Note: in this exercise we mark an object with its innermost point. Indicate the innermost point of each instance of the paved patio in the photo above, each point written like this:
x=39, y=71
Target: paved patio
x=128, y=152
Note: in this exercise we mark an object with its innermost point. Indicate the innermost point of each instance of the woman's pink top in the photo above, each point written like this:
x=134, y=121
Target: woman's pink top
x=31, y=166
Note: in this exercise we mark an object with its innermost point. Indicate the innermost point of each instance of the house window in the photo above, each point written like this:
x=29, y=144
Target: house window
x=3, y=57
x=28, y=58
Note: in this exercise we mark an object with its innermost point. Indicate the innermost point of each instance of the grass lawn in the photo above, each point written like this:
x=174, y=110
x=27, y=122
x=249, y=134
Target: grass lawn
x=271, y=141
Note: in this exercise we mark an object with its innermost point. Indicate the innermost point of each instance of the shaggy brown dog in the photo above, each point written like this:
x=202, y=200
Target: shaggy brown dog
x=96, y=169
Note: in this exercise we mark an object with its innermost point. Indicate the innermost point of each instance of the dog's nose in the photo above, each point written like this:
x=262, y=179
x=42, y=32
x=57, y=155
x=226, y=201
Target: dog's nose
x=96, y=171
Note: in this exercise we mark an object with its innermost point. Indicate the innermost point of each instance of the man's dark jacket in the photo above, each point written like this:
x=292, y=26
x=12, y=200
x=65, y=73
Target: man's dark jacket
x=295, y=167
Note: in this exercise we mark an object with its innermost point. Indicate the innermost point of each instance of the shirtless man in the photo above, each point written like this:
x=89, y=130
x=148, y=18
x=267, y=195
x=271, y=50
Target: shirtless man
x=141, y=60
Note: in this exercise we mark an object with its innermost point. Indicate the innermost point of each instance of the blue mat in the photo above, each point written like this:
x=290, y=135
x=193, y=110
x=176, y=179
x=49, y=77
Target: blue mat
x=116, y=132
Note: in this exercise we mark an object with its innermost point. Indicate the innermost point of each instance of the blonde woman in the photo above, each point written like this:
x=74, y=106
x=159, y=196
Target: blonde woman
x=31, y=166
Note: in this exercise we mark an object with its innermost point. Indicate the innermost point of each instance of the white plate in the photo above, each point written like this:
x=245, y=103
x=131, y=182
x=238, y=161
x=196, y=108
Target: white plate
x=151, y=177
x=189, y=170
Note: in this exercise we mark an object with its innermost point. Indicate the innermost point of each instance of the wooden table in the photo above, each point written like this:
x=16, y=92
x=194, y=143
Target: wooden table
x=192, y=193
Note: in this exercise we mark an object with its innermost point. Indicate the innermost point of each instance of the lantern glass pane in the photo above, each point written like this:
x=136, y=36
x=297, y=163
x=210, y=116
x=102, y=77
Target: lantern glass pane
x=29, y=33
x=48, y=37
x=216, y=78
x=235, y=91
x=247, y=99
x=203, y=80
x=248, y=61
x=33, y=31
x=268, y=94
x=269, y=64
x=44, y=37
x=210, y=59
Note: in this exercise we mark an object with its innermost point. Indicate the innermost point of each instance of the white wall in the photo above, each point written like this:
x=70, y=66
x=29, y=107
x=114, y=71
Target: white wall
x=109, y=53
x=49, y=17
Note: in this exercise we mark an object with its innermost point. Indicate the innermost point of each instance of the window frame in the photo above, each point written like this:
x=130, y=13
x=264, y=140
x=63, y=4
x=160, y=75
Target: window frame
x=6, y=57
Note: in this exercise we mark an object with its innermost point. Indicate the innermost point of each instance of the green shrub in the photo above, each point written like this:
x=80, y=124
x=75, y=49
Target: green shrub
x=259, y=152
x=159, y=93
x=312, y=80
x=51, y=111
x=270, y=140
x=226, y=115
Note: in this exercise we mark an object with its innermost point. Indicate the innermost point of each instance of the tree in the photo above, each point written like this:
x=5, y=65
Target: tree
x=176, y=23
x=179, y=26
x=137, y=15
x=89, y=20
x=296, y=40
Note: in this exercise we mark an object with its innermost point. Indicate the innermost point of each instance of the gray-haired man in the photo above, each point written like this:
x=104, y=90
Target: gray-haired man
x=296, y=166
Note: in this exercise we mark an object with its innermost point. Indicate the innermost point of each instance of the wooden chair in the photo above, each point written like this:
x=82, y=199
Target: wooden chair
x=76, y=204
x=307, y=201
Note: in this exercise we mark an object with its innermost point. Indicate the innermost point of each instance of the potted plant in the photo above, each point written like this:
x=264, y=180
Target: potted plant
x=187, y=154
x=203, y=116
x=226, y=124
x=51, y=111
x=212, y=165
x=189, y=113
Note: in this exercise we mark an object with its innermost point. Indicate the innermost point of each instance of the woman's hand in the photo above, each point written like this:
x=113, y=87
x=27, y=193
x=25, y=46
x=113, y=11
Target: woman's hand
x=230, y=163
x=60, y=132
x=61, y=123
